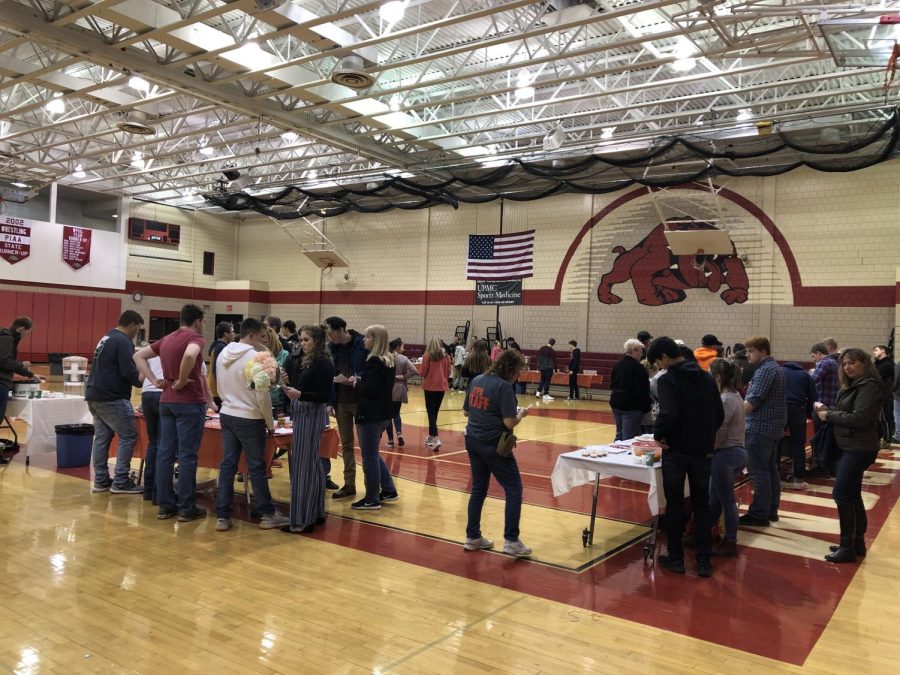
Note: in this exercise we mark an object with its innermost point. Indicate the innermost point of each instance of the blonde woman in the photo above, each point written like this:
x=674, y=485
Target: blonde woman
x=435, y=373
x=273, y=343
x=374, y=410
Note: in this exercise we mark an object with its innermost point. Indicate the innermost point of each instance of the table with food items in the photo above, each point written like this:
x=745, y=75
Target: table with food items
x=637, y=459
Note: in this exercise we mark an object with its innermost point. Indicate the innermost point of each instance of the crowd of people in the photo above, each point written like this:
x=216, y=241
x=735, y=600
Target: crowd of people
x=714, y=416
x=713, y=413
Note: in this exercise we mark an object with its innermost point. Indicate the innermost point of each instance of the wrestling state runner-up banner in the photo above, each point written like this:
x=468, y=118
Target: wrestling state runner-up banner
x=15, y=239
x=76, y=246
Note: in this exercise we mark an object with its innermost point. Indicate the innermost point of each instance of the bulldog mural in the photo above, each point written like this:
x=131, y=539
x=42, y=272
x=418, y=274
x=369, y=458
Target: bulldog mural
x=661, y=277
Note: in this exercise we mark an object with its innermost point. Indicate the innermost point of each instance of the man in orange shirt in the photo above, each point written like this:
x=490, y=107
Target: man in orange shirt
x=706, y=354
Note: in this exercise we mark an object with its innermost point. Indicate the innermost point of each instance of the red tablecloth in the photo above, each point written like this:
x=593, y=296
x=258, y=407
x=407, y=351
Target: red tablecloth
x=584, y=380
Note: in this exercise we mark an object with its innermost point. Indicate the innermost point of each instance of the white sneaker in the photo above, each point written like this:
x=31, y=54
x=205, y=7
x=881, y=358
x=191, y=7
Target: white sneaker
x=478, y=544
x=794, y=485
x=223, y=524
x=273, y=520
x=516, y=548
x=436, y=444
x=548, y=397
x=538, y=395
x=429, y=441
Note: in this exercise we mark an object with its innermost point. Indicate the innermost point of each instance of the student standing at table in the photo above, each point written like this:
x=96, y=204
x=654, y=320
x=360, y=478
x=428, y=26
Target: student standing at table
x=310, y=391
x=246, y=417
x=108, y=395
x=9, y=363
x=182, y=413
x=690, y=412
x=150, y=395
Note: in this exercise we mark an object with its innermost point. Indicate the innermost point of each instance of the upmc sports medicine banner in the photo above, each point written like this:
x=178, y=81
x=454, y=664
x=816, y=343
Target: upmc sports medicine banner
x=76, y=246
x=498, y=292
x=15, y=239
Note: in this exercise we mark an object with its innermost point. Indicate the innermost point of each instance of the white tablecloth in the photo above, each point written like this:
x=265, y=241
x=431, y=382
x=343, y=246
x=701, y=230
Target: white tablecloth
x=572, y=469
x=41, y=415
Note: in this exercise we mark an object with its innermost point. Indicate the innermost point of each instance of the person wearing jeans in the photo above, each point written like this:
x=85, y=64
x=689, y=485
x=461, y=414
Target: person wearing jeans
x=630, y=397
x=855, y=420
x=246, y=417
x=373, y=412
x=765, y=419
x=435, y=372
x=108, y=395
x=546, y=364
x=150, y=395
x=729, y=457
x=182, y=412
x=491, y=409
x=800, y=394
x=400, y=393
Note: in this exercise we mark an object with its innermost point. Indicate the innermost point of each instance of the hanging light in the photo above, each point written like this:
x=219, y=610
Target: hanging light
x=395, y=103
x=207, y=151
x=55, y=105
x=523, y=86
x=684, y=65
x=138, y=83
x=607, y=133
x=392, y=12
x=290, y=136
x=744, y=114
x=79, y=172
x=137, y=160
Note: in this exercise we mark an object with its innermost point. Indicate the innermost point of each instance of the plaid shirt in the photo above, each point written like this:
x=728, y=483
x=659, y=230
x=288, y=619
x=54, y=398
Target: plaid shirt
x=767, y=396
x=827, y=381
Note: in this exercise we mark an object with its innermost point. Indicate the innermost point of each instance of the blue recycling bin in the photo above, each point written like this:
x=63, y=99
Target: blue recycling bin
x=73, y=445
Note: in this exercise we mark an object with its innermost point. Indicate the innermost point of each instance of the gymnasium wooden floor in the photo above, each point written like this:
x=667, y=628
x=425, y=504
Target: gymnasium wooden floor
x=94, y=583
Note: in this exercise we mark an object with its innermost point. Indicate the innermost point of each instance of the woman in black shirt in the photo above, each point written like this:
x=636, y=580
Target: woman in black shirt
x=311, y=381
x=374, y=410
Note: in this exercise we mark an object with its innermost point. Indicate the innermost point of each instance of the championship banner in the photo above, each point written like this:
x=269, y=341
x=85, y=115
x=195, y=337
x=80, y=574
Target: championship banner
x=76, y=246
x=498, y=292
x=15, y=239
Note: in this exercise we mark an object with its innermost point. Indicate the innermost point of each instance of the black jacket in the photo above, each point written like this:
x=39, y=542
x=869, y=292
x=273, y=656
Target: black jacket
x=113, y=372
x=316, y=382
x=630, y=386
x=855, y=416
x=885, y=369
x=690, y=410
x=575, y=361
x=9, y=353
x=800, y=390
x=374, y=392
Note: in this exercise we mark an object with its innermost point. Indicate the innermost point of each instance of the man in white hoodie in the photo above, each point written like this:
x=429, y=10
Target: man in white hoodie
x=246, y=417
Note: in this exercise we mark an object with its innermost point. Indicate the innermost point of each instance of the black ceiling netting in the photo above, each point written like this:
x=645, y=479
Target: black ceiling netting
x=840, y=142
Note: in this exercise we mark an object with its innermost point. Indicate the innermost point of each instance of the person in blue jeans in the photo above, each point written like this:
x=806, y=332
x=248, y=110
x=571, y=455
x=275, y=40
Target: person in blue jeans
x=182, y=413
x=490, y=406
x=245, y=416
x=150, y=395
x=729, y=457
x=374, y=410
x=854, y=418
x=108, y=395
x=765, y=411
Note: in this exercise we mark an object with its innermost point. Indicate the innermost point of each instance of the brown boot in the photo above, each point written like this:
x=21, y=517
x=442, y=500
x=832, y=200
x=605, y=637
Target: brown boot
x=725, y=549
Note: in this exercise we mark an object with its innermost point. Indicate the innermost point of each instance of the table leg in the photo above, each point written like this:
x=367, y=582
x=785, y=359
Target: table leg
x=589, y=541
x=650, y=546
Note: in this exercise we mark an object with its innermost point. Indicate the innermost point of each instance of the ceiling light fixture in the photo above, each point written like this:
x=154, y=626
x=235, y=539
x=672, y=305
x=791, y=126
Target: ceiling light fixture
x=683, y=65
x=744, y=114
x=137, y=160
x=138, y=83
x=79, y=172
x=206, y=150
x=21, y=185
x=392, y=12
x=55, y=105
x=607, y=133
x=290, y=136
x=395, y=103
x=523, y=86
x=312, y=174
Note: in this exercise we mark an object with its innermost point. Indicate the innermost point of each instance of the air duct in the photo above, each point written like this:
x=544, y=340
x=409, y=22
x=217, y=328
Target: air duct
x=350, y=73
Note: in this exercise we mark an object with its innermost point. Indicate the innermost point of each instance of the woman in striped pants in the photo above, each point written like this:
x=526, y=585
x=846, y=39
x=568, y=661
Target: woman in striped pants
x=311, y=382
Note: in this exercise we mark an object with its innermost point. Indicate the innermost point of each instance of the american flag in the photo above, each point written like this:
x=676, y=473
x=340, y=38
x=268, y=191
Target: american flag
x=501, y=256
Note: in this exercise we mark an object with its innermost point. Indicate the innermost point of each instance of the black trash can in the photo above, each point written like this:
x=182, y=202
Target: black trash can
x=73, y=445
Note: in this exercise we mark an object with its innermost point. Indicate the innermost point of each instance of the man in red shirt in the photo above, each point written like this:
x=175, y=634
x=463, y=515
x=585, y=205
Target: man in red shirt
x=182, y=413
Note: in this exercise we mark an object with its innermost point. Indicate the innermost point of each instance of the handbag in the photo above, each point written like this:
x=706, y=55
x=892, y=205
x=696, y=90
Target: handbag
x=506, y=444
x=330, y=443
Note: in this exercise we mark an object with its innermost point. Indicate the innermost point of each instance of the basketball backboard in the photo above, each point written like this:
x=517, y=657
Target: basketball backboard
x=861, y=42
x=699, y=242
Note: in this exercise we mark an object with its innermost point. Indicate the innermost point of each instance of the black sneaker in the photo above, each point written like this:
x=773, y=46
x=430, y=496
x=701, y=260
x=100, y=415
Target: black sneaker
x=331, y=485
x=165, y=514
x=344, y=492
x=704, y=568
x=400, y=441
x=127, y=488
x=671, y=564
x=365, y=505
x=753, y=521
x=195, y=513
x=389, y=496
